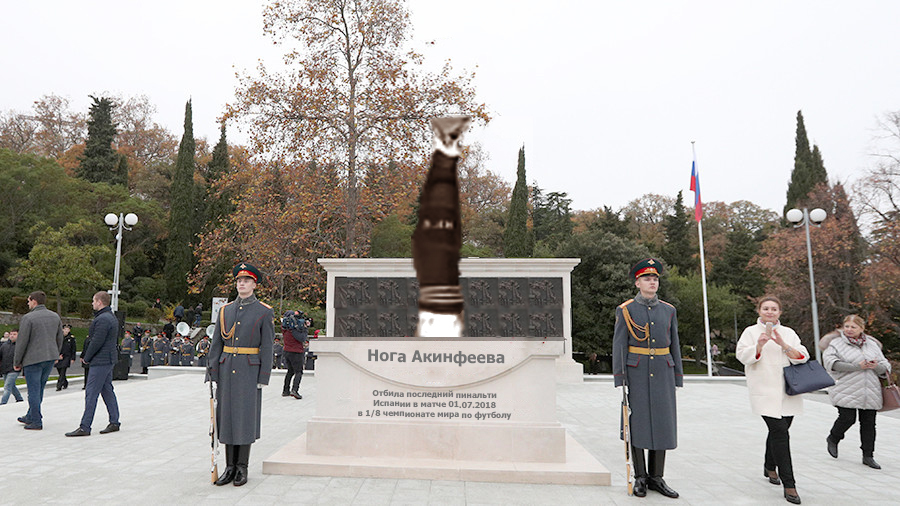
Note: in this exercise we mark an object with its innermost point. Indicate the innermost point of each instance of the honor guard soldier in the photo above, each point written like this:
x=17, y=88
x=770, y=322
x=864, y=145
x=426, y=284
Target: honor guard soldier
x=175, y=350
x=202, y=351
x=187, y=352
x=647, y=360
x=160, y=349
x=146, y=343
x=240, y=362
x=128, y=346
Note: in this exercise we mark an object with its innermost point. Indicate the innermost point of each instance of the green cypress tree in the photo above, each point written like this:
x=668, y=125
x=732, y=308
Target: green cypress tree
x=100, y=162
x=518, y=241
x=179, y=258
x=217, y=205
x=809, y=169
x=677, y=250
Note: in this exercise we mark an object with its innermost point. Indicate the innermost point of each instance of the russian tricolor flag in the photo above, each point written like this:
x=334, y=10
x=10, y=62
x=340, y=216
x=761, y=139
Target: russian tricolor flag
x=695, y=187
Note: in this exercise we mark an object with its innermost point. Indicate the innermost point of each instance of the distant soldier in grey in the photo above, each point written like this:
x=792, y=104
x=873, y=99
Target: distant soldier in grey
x=647, y=359
x=175, y=350
x=240, y=362
x=128, y=346
x=187, y=352
x=146, y=351
x=202, y=351
x=160, y=350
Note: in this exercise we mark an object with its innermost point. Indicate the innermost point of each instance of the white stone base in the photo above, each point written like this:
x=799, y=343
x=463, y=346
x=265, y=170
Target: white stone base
x=579, y=468
x=569, y=371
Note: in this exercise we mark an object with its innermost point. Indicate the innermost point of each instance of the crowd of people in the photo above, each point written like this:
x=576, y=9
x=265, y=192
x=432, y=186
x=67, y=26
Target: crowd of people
x=647, y=360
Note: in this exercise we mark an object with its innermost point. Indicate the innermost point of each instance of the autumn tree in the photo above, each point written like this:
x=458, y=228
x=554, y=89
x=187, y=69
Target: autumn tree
x=483, y=201
x=17, y=132
x=646, y=216
x=350, y=98
x=179, y=256
x=149, y=147
x=100, y=162
x=518, y=240
x=837, y=263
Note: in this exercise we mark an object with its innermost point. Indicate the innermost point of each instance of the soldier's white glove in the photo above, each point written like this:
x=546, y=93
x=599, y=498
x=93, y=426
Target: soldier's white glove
x=259, y=386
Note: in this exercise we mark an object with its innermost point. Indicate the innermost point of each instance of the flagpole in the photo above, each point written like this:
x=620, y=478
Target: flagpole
x=703, y=275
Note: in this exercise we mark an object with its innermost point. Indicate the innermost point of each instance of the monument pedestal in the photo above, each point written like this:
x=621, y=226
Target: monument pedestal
x=473, y=409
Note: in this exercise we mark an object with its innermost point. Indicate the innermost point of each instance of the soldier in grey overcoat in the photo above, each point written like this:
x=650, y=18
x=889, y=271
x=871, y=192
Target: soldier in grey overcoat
x=160, y=349
x=187, y=352
x=240, y=362
x=146, y=343
x=647, y=359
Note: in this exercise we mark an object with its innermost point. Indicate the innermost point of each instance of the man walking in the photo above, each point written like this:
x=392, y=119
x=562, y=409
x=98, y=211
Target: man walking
x=647, y=359
x=296, y=341
x=242, y=341
x=40, y=340
x=9, y=375
x=102, y=356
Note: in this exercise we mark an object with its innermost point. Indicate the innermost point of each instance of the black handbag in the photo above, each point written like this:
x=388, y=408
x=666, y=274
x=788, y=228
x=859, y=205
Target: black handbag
x=806, y=377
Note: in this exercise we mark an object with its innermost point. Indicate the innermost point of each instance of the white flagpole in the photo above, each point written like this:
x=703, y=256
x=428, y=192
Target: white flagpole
x=703, y=276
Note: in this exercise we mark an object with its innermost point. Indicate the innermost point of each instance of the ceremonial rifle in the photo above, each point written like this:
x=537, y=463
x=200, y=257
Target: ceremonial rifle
x=626, y=436
x=212, y=433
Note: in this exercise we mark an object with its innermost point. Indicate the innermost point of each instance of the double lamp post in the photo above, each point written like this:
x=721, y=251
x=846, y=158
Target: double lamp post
x=803, y=219
x=118, y=223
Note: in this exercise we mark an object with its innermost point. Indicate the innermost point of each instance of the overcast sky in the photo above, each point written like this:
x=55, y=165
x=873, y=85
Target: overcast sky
x=606, y=96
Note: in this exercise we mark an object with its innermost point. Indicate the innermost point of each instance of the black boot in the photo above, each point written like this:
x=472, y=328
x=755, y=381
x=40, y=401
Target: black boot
x=640, y=472
x=243, y=458
x=657, y=466
x=230, y=469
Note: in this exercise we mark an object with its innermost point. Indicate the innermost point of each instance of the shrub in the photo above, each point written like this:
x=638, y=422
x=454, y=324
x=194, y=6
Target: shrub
x=85, y=310
x=731, y=361
x=19, y=305
x=6, y=297
x=153, y=314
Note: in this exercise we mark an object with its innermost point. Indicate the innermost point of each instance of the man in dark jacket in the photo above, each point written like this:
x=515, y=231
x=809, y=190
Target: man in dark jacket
x=296, y=341
x=647, y=359
x=240, y=362
x=102, y=356
x=66, y=357
x=40, y=339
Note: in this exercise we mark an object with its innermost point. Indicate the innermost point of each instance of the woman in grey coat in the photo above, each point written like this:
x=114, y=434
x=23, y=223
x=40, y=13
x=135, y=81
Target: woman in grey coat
x=856, y=362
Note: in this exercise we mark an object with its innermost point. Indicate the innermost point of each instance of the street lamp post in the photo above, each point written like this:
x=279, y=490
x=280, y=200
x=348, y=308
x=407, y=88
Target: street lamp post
x=118, y=223
x=803, y=218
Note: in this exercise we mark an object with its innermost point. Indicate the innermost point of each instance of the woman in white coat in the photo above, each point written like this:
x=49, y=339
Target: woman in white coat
x=765, y=349
x=856, y=362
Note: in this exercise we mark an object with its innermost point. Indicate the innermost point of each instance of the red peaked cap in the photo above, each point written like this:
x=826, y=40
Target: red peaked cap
x=647, y=267
x=246, y=269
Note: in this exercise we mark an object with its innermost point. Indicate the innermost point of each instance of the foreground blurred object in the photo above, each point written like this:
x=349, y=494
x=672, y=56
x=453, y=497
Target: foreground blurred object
x=437, y=238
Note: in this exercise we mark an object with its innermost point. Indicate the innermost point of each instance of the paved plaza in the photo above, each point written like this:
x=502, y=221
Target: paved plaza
x=162, y=453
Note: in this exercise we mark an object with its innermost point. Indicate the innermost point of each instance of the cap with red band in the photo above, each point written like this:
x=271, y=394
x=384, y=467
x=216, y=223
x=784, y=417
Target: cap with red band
x=248, y=270
x=647, y=267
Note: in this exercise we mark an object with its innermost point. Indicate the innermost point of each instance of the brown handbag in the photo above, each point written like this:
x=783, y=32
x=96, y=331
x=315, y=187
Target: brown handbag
x=890, y=394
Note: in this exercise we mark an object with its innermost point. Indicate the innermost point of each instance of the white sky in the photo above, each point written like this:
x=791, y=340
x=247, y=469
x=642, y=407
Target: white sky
x=606, y=96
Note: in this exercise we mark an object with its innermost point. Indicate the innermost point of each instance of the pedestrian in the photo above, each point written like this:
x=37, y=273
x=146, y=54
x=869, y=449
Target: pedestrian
x=146, y=343
x=66, y=357
x=37, y=349
x=765, y=349
x=102, y=356
x=240, y=363
x=647, y=360
x=296, y=340
x=169, y=330
x=7, y=372
x=198, y=314
x=278, y=348
x=856, y=363
x=178, y=313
